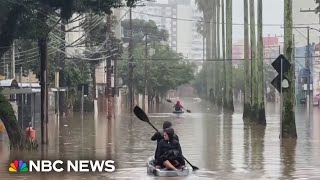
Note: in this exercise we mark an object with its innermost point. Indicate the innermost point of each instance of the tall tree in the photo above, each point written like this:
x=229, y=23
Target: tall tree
x=229, y=104
x=261, y=116
x=214, y=49
x=224, y=69
x=288, y=112
x=247, y=102
x=253, y=45
x=218, y=63
x=205, y=7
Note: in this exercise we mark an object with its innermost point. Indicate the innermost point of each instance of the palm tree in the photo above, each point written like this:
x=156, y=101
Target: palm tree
x=247, y=102
x=288, y=121
x=229, y=91
x=261, y=116
x=254, y=97
x=205, y=7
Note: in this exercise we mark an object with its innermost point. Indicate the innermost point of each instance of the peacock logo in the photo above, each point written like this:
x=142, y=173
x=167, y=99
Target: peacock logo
x=18, y=166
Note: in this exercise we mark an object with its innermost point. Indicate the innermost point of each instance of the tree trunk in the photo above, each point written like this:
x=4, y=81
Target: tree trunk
x=93, y=77
x=214, y=49
x=10, y=122
x=208, y=55
x=14, y=131
x=224, y=74
x=61, y=64
x=254, y=96
x=229, y=92
x=288, y=112
x=247, y=103
x=218, y=63
x=261, y=116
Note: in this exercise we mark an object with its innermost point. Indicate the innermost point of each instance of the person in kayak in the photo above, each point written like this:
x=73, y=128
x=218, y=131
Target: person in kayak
x=169, y=154
x=178, y=106
x=158, y=136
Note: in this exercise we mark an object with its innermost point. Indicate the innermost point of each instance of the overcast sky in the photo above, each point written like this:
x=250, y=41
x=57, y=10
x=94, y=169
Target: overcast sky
x=272, y=14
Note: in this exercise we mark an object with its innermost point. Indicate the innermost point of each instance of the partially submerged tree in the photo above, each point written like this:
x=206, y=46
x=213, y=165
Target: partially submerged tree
x=247, y=92
x=261, y=115
x=253, y=45
x=288, y=113
x=229, y=88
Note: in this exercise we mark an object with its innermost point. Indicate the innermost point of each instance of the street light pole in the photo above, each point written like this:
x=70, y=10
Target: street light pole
x=308, y=68
x=145, y=70
x=109, y=89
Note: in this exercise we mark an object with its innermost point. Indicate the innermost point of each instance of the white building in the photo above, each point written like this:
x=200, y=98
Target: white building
x=179, y=18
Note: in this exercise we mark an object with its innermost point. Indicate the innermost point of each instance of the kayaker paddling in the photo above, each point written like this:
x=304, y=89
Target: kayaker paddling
x=178, y=106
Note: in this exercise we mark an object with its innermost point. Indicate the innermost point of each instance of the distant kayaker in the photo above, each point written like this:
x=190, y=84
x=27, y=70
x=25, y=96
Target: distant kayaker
x=169, y=154
x=178, y=106
x=158, y=136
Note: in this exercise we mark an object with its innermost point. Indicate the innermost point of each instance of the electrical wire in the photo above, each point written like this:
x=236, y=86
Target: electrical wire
x=208, y=22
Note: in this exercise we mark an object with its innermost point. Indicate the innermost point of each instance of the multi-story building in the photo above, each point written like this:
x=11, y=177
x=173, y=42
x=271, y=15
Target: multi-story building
x=163, y=13
x=179, y=18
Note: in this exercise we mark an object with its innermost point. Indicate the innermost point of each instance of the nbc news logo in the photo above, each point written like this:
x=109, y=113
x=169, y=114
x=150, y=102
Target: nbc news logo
x=57, y=166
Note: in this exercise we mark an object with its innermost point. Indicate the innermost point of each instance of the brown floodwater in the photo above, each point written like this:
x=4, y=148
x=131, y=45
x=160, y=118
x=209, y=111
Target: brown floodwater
x=222, y=145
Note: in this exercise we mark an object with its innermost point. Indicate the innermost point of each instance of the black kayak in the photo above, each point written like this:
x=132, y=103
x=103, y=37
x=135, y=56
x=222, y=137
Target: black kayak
x=178, y=112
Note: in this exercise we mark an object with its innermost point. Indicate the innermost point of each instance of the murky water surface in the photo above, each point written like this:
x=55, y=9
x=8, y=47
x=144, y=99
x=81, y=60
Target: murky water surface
x=223, y=146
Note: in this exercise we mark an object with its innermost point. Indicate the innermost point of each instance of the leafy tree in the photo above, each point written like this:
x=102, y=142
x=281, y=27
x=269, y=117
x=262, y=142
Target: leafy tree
x=93, y=40
x=140, y=28
x=167, y=70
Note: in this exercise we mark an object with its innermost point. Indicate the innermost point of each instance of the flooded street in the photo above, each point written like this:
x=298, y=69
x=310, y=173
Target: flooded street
x=223, y=146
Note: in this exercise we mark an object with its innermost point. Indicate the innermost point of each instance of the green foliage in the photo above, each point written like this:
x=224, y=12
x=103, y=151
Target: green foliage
x=27, y=19
x=140, y=28
x=167, y=70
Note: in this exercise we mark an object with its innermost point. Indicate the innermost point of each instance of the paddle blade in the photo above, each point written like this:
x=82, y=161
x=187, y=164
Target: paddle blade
x=140, y=114
x=168, y=100
x=195, y=168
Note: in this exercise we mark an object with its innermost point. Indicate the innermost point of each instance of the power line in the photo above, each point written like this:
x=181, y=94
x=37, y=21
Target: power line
x=208, y=22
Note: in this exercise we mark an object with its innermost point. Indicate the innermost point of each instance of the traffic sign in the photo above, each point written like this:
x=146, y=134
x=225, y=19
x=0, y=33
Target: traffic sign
x=285, y=64
x=276, y=82
x=85, y=88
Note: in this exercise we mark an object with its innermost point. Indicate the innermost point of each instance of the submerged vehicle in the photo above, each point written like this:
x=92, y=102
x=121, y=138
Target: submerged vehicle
x=152, y=170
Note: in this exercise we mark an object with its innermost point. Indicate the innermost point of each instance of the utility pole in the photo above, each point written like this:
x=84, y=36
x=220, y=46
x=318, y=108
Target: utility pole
x=109, y=89
x=43, y=48
x=203, y=65
x=13, y=64
x=145, y=70
x=131, y=95
x=308, y=68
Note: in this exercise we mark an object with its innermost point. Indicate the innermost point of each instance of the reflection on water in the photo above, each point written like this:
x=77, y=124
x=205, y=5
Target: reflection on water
x=222, y=145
